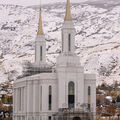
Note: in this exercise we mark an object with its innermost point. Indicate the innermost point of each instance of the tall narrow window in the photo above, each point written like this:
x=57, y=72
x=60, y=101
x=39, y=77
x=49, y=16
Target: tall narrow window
x=14, y=100
x=89, y=97
x=69, y=42
x=41, y=53
x=71, y=96
x=50, y=98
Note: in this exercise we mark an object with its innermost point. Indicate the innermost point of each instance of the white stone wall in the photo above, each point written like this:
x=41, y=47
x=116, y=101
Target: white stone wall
x=90, y=80
x=31, y=92
x=19, y=100
x=40, y=41
x=68, y=28
x=65, y=76
x=69, y=69
x=31, y=97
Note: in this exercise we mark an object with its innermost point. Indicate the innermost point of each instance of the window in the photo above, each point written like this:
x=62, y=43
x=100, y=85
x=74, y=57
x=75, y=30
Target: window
x=41, y=53
x=88, y=106
x=50, y=98
x=69, y=42
x=71, y=96
x=71, y=88
x=89, y=97
x=89, y=90
x=15, y=100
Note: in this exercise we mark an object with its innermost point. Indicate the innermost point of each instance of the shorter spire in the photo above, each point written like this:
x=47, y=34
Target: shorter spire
x=68, y=16
x=40, y=28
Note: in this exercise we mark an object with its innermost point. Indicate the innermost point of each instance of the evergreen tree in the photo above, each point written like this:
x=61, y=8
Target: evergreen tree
x=118, y=99
x=113, y=101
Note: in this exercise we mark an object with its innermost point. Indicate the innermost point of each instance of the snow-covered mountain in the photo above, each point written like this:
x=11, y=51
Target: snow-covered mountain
x=97, y=37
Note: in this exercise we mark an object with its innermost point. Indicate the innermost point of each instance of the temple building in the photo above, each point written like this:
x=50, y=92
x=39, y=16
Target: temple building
x=43, y=92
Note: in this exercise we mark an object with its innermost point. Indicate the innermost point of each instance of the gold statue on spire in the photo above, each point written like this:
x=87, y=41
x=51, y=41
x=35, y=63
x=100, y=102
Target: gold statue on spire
x=68, y=16
x=40, y=28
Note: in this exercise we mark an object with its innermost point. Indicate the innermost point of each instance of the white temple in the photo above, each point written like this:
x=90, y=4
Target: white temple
x=43, y=91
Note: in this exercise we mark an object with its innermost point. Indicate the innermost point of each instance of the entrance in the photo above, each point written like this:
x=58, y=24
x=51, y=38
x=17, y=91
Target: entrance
x=71, y=96
x=76, y=118
x=71, y=101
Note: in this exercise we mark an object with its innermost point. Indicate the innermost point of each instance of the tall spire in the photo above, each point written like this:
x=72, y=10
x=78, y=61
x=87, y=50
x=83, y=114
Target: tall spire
x=40, y=28
x=68, y=16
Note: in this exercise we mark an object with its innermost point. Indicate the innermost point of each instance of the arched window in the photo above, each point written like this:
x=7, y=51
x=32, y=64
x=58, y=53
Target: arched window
x=50, y=98
x=41, y=53
x=71, y=88
x=69, y=42
x=71, y=96
x=89, y=96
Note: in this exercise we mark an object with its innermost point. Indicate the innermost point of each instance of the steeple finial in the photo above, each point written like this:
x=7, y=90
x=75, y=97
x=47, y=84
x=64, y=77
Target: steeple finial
x=68, y=16
x=40, y=28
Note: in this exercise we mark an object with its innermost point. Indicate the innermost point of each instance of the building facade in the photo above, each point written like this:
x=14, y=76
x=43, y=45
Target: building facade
x=44, y=90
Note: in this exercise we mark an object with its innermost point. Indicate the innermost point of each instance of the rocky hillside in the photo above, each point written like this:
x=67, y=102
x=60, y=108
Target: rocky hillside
x=97, y=38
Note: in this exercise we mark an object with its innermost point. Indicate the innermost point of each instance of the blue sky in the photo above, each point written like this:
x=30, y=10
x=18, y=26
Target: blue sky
x=33, y=2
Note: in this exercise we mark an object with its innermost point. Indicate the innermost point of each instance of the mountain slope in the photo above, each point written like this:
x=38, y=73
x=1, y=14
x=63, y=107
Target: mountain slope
x=97, y=38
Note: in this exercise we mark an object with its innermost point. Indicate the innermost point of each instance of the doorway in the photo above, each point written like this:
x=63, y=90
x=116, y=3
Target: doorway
x=76, y=118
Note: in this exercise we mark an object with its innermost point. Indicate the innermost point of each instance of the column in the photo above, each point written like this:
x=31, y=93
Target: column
x=14, y=104
x=30, y=99
x=17, y=100
x=36, y=100
x=22, y=99
x=25, y=101
x=44, y=97
x=40, y=97
x=54, y=98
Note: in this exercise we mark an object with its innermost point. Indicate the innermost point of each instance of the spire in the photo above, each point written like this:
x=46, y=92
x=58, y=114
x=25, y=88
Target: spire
x=68, y=16
x=40, y=28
